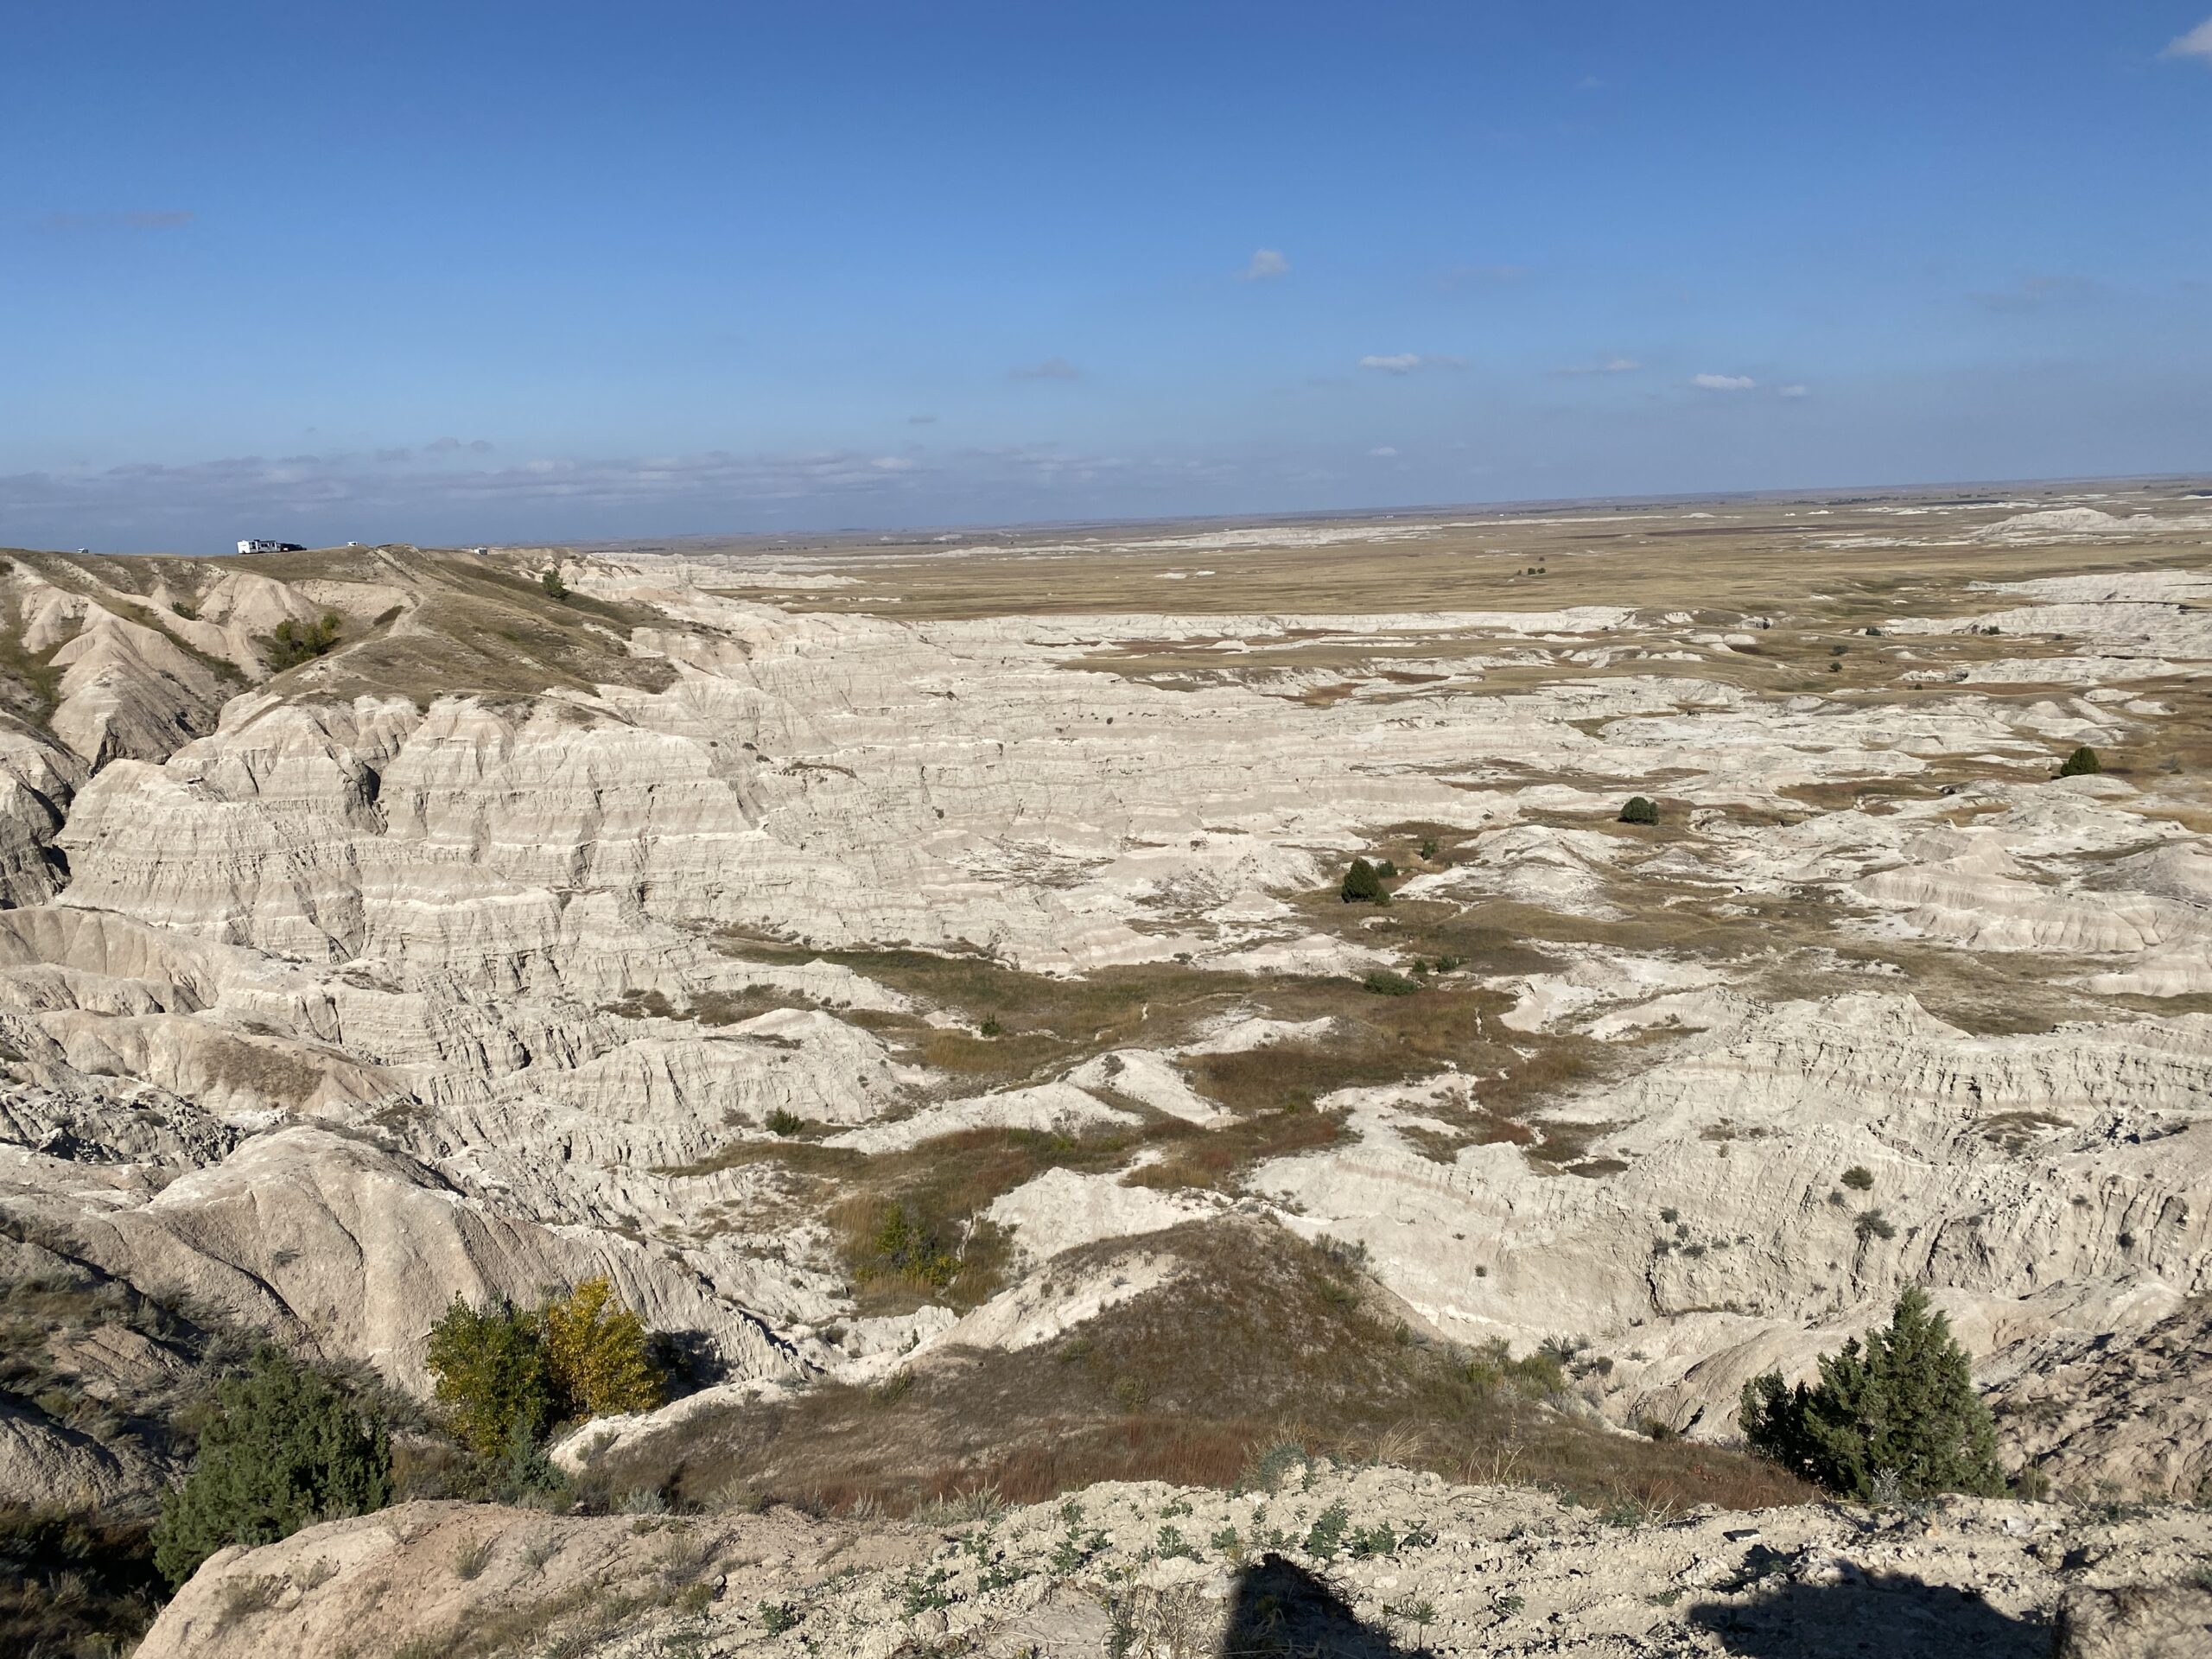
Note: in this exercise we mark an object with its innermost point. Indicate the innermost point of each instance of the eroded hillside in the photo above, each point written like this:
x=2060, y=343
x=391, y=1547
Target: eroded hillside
x=922, y=969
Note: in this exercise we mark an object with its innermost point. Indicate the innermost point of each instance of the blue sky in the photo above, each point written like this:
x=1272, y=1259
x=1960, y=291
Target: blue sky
x=511, y=272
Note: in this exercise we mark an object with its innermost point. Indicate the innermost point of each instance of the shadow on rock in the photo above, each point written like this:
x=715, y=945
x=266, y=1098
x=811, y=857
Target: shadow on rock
x=1884, y=1615
x=1276, y=1606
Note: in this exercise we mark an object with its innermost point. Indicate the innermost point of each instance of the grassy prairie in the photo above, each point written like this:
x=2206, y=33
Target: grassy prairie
x=1743, y=557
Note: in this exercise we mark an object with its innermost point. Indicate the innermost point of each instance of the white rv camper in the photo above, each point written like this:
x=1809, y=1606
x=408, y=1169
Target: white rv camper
x=271, y=547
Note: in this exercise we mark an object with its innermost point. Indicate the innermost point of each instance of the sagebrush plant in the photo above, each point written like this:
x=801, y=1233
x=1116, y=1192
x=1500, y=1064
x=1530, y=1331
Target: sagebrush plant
x=1896, y=1415
x=284, y=1449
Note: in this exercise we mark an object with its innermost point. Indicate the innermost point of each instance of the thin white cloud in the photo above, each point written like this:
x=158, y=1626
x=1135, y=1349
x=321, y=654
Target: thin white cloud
x=1053, y=368
x=1383, y=451
x=1723, y=382
x=1267, y=265
x=1610, y=365
x=2197, y=43
x=1408, y=363
x=1796, y=392
x=894, y=464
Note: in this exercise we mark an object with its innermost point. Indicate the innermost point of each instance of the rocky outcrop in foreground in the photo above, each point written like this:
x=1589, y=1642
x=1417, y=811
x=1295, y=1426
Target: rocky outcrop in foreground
x=1376, y=1561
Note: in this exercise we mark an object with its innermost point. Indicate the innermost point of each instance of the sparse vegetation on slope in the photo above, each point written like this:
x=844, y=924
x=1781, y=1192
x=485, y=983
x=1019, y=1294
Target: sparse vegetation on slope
x=74, y=1582
x=1262, y=1339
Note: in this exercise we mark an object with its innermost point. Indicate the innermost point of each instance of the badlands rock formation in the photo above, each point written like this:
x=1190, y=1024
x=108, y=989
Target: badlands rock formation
x=1368, y=1564
x=682, y=930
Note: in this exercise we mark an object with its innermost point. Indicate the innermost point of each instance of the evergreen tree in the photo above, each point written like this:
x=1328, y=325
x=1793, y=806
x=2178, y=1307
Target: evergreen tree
x=1903, y=1405
x=1362, y=885
x=2081, y=764
x=1639, y=810
x=286, y=1449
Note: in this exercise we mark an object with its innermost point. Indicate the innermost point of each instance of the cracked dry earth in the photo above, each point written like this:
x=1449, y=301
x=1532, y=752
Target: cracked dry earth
x=683, y=930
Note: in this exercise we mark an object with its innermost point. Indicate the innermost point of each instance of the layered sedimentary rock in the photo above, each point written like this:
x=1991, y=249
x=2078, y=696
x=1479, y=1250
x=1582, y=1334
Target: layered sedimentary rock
x=327, y=996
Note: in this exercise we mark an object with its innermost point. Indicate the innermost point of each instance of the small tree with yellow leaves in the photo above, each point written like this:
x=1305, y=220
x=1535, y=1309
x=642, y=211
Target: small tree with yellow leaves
x=596, y=1352
x=508, y=1375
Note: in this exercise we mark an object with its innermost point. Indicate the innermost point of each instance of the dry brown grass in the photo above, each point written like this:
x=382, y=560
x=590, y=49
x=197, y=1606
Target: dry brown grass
x=280, y=1074
x=1043, y=1024
x=940, y=1250
x=1263, y=1335
x=1747, y=556
x=1218, y=1157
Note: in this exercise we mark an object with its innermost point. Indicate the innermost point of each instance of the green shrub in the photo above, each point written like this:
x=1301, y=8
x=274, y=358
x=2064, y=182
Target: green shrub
x=293, y=643
x=1901, y=1410
x=785, y=1123
x=906, y=1247
x=507, y=1375
x=1639, y=810
x=549, y=580
x=1858, y=1179
x=1383, y=982
x=492, y=1376
x=1325, y=1539
x=286, y=1449
x=1362, y=885
x=777, y=1617
x=2082, y=763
